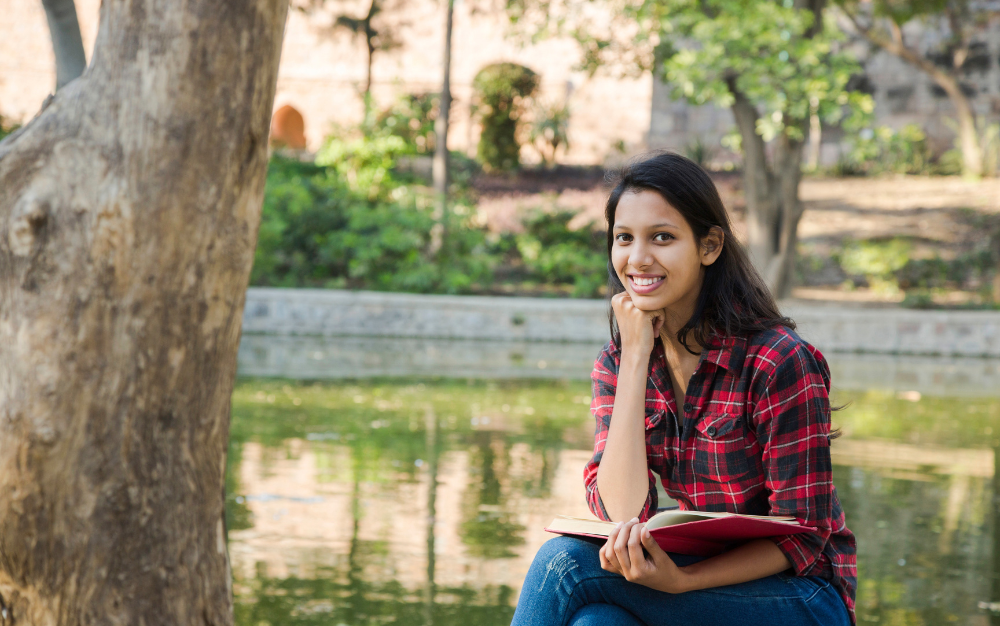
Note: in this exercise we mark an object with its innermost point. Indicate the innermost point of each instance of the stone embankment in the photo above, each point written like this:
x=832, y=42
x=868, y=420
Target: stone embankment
x=304, y=333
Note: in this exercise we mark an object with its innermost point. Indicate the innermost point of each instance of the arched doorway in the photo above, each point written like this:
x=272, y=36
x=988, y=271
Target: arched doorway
x=288, y=128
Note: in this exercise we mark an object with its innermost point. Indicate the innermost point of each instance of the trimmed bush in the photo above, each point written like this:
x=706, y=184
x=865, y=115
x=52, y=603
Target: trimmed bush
x=501, y=90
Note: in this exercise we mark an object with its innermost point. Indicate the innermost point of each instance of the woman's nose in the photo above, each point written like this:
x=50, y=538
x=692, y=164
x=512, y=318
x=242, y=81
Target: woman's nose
x=640, y=256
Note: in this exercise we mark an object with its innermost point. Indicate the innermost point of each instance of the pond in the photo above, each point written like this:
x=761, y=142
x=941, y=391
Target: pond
x=408, y=501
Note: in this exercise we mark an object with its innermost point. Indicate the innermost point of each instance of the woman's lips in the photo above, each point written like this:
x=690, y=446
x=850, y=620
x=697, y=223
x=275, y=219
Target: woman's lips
x=644, y=289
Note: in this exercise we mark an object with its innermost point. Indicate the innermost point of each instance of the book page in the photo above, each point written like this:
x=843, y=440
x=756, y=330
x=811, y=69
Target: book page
x=672, y=518
x=582, y=525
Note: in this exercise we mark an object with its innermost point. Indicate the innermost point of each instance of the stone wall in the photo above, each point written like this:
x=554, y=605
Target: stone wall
x=306, y=312
x=323, y=70
x=332, y=358
x=328, y=334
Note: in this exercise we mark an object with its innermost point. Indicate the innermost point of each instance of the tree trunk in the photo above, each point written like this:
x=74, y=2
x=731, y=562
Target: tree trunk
x=66, y=40
x=762, y=205
x=772, y=197
x=128, y=215
x=968, y=137
x=788, y=171
x=815, y=135
x=370, y=46
x=441, y=169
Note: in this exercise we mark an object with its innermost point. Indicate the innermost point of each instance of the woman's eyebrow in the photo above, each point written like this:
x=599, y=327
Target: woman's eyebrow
x=651, y=227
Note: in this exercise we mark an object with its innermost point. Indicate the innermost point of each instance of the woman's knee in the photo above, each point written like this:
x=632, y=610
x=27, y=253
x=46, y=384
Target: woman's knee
x=563, y=561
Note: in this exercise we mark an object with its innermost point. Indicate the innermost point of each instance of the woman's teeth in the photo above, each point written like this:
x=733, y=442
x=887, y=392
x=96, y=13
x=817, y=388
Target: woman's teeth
x=643, y=282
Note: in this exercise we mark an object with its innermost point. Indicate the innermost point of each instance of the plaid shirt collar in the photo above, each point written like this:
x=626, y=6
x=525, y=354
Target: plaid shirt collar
x=726, y=352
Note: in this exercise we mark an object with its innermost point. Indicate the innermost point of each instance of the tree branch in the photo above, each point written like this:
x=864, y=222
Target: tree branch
x=961, y=51
x=897, y=46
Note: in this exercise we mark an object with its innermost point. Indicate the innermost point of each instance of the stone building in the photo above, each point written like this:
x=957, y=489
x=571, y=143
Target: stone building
x=323, y=69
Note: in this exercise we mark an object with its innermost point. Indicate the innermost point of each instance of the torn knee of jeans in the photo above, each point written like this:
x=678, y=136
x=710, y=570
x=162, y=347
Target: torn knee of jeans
x=559, y=566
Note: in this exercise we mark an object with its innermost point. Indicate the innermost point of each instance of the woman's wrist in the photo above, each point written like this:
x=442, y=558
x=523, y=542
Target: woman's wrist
x=685, y=581
x=633, y=361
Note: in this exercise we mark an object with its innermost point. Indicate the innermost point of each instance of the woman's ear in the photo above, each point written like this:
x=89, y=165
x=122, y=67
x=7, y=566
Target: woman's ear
x=711, y=245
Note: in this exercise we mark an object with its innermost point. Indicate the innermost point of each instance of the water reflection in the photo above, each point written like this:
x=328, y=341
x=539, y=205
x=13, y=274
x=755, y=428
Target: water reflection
x=400, y=502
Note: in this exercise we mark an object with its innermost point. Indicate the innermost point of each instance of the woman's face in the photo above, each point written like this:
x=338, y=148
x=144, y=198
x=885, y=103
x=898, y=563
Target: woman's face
x=656, y=255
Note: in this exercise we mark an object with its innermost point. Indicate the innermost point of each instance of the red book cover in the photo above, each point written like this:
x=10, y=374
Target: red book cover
x=703, y=537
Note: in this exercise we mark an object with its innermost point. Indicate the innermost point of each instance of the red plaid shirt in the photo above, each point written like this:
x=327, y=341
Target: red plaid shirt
x=751, y=437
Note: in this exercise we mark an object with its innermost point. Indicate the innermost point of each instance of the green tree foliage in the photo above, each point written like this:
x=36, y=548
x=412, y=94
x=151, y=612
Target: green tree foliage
x=777, y=55
x=502, y=90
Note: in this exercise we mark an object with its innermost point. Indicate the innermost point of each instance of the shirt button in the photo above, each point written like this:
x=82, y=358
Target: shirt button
x=711, y=431
x=688, y=407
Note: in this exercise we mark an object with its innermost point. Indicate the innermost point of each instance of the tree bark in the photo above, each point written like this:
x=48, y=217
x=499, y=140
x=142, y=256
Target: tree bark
x=370, y=47
x=129, y=210
x=762, y=206
x=67, y=43
x=441, y=166
x=772, y=197
x=788, y=171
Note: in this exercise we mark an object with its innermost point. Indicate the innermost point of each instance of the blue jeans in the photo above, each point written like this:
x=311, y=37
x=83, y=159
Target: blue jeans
x=566, y=585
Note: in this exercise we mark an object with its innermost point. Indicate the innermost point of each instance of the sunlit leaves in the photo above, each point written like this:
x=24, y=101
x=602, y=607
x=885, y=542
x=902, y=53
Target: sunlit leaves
x=769, y=53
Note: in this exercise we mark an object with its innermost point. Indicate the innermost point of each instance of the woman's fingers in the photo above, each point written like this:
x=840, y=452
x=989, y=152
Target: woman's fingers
x=621, y=545
x=619, y=300
x=656, y=553
x=658, y=320
x=635, y=543
x=608, y=551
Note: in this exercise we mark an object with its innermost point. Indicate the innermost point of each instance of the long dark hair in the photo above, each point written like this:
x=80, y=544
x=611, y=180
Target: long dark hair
x=734, y=299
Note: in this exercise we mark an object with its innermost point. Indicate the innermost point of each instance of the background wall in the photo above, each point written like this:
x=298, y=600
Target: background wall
x=323, y=71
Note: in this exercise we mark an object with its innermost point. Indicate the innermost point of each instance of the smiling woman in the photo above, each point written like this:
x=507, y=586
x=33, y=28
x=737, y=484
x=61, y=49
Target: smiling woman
x=705, y=383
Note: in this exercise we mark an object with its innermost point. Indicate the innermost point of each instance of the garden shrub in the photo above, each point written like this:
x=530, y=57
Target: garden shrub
x=551, y=129
x=883, y=150
x=552, y=253
x=411, y=118
x=354, y=224
x=877, y=261
x=501, y=90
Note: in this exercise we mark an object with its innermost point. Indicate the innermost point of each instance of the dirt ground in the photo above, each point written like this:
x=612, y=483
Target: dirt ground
x=939, y=214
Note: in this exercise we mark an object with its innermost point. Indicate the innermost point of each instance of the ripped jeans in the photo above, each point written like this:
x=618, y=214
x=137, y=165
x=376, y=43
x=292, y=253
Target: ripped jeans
x=566, y=585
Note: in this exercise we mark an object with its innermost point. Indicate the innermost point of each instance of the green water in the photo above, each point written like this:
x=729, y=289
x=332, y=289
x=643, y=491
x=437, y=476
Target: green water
x=421, y=503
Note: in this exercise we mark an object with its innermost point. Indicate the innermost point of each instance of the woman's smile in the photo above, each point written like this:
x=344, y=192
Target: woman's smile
x=645, y=283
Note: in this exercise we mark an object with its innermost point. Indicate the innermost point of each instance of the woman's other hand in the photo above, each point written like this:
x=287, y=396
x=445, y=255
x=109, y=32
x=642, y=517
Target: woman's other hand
x=622, y=554
x=638, y=328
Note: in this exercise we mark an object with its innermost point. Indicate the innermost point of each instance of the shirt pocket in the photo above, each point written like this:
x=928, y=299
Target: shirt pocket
x=720, y=453
x=653, y=417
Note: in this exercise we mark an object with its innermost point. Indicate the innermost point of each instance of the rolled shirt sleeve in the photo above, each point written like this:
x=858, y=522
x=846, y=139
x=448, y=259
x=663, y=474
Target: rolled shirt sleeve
x=605, y=379
x=792, y=419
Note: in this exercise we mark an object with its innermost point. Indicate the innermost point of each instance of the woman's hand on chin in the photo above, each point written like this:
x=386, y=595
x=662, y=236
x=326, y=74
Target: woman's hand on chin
x=622, y=554
x=638, y=328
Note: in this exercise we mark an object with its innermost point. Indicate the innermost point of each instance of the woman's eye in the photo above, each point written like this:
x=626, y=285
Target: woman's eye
x=662, y=237
x=623, y=237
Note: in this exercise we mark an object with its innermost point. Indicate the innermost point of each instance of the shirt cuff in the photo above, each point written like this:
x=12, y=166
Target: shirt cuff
x=801, y=551
x=648, y=507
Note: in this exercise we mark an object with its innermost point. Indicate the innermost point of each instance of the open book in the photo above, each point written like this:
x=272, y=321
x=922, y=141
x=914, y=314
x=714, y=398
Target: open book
x=690, y=532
